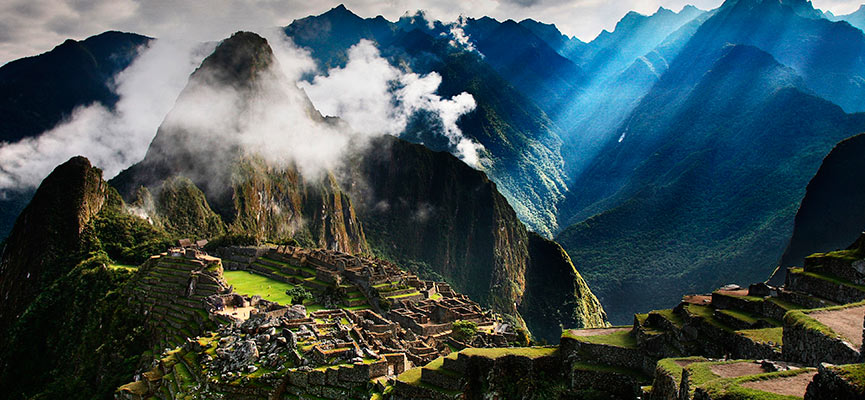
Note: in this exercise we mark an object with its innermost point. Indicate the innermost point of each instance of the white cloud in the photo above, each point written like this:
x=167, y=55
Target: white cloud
x=375, y=98
x=111, y=139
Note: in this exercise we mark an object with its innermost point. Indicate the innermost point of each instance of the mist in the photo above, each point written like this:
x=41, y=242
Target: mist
x=111, y=139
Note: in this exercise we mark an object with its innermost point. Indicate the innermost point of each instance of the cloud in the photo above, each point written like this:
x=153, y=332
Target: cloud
x=111, y=139
x=376, y=98
x=29, y=27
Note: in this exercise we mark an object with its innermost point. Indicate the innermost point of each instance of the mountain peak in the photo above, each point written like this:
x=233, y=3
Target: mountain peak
x=237, y=60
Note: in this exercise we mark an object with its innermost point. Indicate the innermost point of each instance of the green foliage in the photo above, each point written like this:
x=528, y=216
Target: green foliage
x=184, y=210
x=465, y=331
x=232, y=239
x=622, y=338
x=94, y=340
x=298, y=295
x=251, y=284
x=126, y=238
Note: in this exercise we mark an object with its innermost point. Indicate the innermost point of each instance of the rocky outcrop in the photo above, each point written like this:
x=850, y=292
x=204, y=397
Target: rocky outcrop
x=48, y=234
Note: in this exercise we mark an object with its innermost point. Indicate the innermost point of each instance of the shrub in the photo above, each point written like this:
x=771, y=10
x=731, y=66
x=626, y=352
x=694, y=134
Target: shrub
x=298, y=295
x=465, y=331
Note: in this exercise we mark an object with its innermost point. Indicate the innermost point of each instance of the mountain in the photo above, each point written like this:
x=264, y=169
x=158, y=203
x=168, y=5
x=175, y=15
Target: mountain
x=63, y=313
x=550, y=33
x=521, y=141
x=249, y=195
x=702, y=184
x=38, y=92
x=426, y=210
x=828, y=55
x=856, y=18
x=443, y=219
x=48, y=233
x=634, y=36
x=329, y=35
x=832, y=214
x=527, y=62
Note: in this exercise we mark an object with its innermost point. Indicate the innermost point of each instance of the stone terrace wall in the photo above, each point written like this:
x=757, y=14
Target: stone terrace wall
x=809, y=346
x=830, y=384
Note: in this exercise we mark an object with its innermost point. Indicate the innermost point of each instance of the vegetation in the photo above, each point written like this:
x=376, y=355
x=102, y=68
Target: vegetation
x=465, y=331
x=622, y=338
x=298, y=295
x=249, y=283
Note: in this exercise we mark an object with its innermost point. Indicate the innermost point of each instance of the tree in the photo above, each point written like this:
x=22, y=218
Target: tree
x=464, y=331
x=298, y=294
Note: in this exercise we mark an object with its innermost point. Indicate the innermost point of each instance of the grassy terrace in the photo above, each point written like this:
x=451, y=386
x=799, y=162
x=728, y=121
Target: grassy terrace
x=621, y=338
x=706, y=313
x=530, y=352
x=248, y=283
x=672, y=366
x=829, y=278
x=766, y=335
x=731, y=388
x=748, y=317
x=671, y=316
x=801, y=318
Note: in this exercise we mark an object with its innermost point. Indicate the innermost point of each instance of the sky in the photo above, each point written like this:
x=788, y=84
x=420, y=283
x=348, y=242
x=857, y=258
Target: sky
x=30, y=27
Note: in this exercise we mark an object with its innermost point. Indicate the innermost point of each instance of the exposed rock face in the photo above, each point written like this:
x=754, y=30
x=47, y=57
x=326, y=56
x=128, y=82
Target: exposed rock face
x=556, y=295
x=832, y=213
x=48, y=231
x=429, y=210
x=250, y=195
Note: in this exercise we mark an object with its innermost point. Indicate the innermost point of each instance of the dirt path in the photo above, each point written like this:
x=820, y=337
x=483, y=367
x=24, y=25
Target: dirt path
x=789, y=386
x=698, y=299
x=595, y=332
x=847, y=322
x=737, y=369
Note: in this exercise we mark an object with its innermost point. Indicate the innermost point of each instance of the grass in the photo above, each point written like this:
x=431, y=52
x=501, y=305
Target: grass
x=131, y=268
x=531, y=352
x=706, y=313
x=853, y=373
x=748, y=317
x=847, y=255
x=766, y=335
x=731, y=388
x=671, y=316
x=250, y=284
x=618, y=339
x=674, y=369
x=829, y=278
x=802, y=319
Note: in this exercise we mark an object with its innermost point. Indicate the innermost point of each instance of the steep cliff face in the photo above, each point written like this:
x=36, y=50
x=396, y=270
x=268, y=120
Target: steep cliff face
x=556, y=292
x=434, y=214
x=203, y=139
x=47, y=233
x=832, y=213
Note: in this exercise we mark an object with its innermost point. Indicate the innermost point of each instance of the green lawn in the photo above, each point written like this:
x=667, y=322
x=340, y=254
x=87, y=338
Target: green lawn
x=250, y=284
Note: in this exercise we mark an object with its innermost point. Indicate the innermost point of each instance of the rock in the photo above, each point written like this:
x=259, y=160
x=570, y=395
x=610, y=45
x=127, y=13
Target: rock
x=297, y=311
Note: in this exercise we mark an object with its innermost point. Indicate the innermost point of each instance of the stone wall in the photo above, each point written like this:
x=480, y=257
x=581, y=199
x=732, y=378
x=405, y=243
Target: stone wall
x=809, y=346
x=830, y=383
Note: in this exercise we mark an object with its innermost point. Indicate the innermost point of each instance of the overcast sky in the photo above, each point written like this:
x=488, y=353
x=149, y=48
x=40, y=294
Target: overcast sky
x=30, y=27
